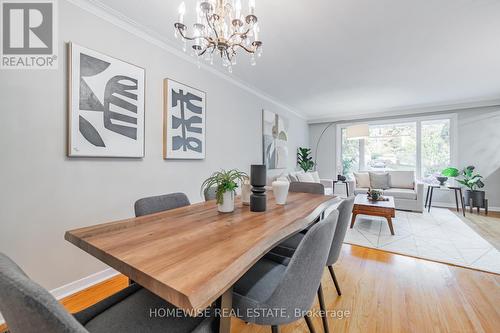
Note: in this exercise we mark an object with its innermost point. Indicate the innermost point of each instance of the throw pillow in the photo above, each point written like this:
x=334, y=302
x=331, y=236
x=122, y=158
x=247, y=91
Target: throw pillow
x=305, y=177
x=315, y=176
x=362, y=179
x=292, y=177
x=379, y=181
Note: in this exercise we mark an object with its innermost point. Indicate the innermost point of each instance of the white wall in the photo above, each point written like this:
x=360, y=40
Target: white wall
x=44, y=193
x=478, y=144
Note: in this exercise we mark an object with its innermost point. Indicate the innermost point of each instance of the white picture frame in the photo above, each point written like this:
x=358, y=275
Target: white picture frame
x=106, y=113
x=184, y=129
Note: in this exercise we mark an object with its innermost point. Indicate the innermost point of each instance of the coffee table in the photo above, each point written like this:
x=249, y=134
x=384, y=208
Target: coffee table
x=363, y=206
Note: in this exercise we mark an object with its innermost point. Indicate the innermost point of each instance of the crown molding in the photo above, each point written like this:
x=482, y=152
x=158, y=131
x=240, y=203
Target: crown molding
x=122, y=21
x=412, y=110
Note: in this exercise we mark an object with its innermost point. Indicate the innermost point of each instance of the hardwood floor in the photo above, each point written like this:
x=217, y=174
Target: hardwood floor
x=487, y=227
x=381, y=292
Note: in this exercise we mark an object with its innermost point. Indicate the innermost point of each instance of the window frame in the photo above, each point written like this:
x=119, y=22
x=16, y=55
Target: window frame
x=452, y=117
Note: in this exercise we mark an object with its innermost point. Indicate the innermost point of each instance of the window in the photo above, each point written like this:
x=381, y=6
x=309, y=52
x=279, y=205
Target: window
x=435, y=147
x=422, y=145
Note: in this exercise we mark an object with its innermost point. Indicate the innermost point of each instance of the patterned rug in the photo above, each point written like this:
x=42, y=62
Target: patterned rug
x=439, y=236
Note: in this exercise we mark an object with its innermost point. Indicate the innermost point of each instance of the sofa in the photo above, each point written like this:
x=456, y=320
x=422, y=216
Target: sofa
x=407, y=192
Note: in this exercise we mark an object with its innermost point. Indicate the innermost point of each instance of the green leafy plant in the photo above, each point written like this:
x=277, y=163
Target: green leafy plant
x=304, y=159
x=466, y=177
x=223, y=181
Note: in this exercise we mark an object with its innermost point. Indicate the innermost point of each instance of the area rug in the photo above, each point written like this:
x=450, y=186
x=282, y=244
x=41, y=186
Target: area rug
x=438, y=236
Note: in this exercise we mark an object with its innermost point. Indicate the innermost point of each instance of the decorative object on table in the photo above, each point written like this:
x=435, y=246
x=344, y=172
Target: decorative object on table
x=184, y=113
x=442, y=180
x=221, y=29
x=341, y=178
x=258, y=177
x=106, y=105
x=280, y=191
x=473, y=181
x=226, y=183
x=275, y=140
x=375, y=195
x=246, y=191
x=304, y=159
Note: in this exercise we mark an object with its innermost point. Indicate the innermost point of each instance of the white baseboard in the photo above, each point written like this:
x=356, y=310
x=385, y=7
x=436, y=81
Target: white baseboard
x=453, y=205
x=79, y=285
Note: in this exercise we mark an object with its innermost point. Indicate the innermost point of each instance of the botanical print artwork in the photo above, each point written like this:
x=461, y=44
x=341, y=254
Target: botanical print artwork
x=184, y=121
x=106, y=105
x=275, y=140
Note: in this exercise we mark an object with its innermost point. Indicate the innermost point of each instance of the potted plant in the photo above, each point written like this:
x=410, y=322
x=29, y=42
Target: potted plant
x=304, y=159
x=225, y=183
x=470, y=179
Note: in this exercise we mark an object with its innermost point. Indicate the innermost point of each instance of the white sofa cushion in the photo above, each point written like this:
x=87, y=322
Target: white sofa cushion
x=379, y=180
x=362, y=179
x=402, y=179
x=292, y=176
x=315, y=176
x=360, y=190
x=401, y=193
x=305, y=177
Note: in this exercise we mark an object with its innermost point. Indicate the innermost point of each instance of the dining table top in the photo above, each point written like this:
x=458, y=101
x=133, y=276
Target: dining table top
x=191, y=255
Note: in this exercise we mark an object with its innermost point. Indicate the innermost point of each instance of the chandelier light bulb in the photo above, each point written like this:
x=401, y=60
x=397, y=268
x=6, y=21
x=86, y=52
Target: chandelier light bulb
x=251, y=7
x=182, y=11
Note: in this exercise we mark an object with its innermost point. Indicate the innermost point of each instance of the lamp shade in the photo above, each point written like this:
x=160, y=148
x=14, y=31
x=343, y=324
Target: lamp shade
x=357, y=132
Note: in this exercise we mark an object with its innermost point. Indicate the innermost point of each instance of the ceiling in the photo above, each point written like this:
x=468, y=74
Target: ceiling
x=334, y=59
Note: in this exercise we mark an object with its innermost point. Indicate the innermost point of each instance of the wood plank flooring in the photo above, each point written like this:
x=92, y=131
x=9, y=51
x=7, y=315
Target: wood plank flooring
x=487, y=227
x=382, y=292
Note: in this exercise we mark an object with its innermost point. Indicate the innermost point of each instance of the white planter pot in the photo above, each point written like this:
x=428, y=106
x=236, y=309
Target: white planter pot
x=227, y=205
x=246, y=191
x=280, y=190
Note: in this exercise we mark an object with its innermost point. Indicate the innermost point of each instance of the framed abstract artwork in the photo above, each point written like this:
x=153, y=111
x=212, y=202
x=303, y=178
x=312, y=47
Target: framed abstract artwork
x=275, y=140
x=183, y=121
x=106, y=105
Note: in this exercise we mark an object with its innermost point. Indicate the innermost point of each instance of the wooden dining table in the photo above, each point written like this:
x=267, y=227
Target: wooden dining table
x=191, y=256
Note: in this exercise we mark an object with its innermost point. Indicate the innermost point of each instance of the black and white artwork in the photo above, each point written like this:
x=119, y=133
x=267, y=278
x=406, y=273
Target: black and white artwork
x=275, y=140
x=106, y=108
x=184, y=122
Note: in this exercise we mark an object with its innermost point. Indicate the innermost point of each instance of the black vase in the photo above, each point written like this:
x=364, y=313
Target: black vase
x=258, y=177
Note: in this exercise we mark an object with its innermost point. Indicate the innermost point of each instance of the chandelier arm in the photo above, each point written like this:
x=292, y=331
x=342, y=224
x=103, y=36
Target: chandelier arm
x=239, y=33
x=211, y=26
x=246, y=48
x=184, y=36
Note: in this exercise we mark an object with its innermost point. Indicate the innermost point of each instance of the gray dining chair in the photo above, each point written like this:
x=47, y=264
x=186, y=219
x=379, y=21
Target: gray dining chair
x=29, y=308
x=210, y=193
x=305, y=187
x=269, y=285
x=314, y=188
x=288, y=247
x=160, y=203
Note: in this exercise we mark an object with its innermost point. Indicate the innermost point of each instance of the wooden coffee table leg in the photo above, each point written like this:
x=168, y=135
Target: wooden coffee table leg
x=353, y=219
x=389, y=220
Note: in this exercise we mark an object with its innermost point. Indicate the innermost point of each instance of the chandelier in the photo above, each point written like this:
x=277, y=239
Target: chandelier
x=221, y=29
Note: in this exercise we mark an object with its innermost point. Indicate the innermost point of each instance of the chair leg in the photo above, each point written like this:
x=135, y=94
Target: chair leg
x=275, y=329
x=322, y=306
x=332, y=273
x=309, y=324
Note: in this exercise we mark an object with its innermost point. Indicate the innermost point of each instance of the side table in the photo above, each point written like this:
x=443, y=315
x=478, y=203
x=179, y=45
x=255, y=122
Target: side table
x=457, y=190
x=340, y=181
